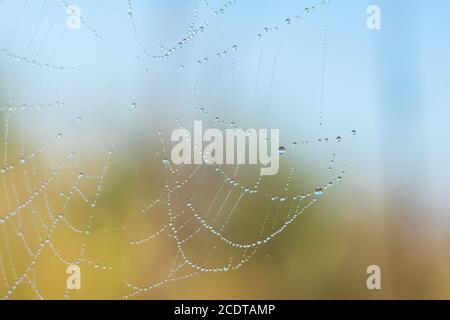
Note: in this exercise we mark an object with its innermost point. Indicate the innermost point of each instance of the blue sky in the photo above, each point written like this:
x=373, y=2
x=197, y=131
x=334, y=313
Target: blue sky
x=390, y=85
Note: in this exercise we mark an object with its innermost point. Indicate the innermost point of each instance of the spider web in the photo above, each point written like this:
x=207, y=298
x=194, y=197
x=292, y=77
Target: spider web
x=36, y=202
x=203, y=234
x=206, y=219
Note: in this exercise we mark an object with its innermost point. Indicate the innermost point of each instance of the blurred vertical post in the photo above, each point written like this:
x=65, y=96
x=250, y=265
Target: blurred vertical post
x=403, y=149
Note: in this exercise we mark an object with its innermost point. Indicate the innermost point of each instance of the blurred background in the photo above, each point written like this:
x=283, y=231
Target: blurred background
x=86, y=178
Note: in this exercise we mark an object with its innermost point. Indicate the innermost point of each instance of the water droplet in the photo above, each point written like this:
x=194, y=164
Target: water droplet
x=281, y=151
x=318, y=192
